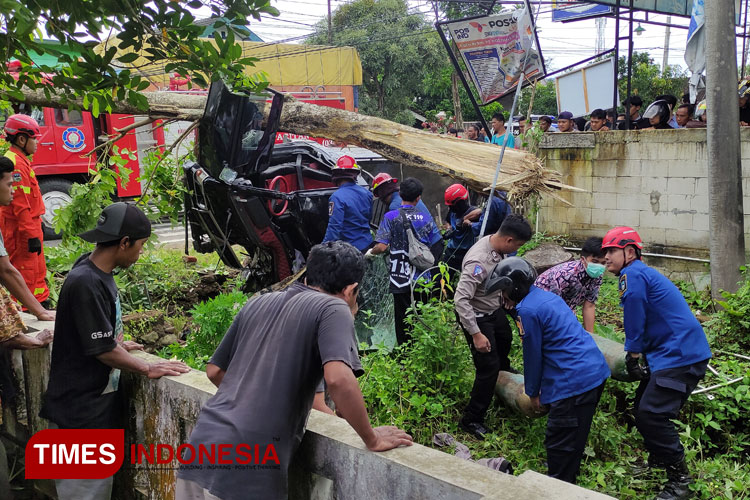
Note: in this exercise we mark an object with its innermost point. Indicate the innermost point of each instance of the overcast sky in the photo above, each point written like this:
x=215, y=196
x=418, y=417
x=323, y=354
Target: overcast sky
x=562, y=43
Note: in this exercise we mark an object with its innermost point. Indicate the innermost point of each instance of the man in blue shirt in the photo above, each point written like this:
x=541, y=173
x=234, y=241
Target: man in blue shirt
x=499, y=210
x=349, y=208
x=562, y=366
x=666, y=350
x=392, y=236
x=460, y=235
x=499, y=131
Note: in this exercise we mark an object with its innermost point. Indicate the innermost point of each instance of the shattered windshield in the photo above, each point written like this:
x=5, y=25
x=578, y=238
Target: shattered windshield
x=231, y=130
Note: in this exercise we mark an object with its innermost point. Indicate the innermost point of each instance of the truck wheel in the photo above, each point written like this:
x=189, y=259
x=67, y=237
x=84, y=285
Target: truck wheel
x=56, y=194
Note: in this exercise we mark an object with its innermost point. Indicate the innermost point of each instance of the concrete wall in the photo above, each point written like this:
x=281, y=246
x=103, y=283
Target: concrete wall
x=331, y=464
x=653, y=180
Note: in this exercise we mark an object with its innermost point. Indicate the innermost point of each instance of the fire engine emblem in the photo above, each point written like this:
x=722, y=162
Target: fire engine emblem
x=73, y=139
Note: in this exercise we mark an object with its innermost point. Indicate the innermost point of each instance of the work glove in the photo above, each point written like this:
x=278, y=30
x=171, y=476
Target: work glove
x=369, y=255
x=635, y=369
x=35, y=246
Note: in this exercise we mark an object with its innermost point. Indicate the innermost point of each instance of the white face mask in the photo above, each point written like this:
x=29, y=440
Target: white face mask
x=595, y=270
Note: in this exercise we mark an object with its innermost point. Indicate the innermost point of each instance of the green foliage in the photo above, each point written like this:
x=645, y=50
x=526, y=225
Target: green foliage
x=395, y=46
x=435, y=95
x=545, y=99
x=539, y=239
x=157, y=31
x=165, y=189
x=731, y=323
x=212, y=319
x=420, y=386
x=648, y=81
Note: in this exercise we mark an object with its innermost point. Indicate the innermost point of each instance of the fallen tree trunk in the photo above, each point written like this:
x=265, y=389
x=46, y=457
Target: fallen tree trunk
x=472, y=162
x=510, y=388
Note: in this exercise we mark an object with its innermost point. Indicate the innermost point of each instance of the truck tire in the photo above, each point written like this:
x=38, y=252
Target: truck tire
x=56, y=194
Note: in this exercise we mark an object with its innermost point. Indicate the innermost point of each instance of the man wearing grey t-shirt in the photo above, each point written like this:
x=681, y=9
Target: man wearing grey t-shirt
x=267, y=368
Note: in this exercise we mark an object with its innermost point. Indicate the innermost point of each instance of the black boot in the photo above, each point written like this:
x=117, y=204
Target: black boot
x=678, y=482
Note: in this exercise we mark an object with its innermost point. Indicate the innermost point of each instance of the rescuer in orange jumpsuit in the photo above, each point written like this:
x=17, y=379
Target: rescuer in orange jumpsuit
x=21, y=222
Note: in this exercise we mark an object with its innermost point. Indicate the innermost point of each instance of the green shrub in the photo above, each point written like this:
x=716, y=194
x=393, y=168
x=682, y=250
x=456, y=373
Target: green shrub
x=212, y=319
x=421, y=386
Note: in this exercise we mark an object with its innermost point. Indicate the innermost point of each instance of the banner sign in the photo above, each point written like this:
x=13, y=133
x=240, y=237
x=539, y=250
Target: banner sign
x=671, y=7
x=494, y=49
x=569, y=10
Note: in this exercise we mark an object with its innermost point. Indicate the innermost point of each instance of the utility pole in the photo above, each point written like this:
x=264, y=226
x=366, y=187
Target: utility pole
x=601, y=24
x=665, y=61
x=726, y=228
x=330, y=28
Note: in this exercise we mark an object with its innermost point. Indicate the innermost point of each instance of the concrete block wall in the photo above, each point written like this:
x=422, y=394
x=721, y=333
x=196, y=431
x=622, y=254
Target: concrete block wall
x=332, y=462
x=653, y=180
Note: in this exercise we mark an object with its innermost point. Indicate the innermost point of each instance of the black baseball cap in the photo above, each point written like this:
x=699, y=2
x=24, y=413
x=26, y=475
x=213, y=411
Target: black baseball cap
x=117, y=221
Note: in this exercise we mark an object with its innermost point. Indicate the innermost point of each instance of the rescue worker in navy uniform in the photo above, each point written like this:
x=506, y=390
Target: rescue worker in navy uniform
x=666, y=350
x=21, y=222
x=460, y=235
x=349, y=208
x=562, y=366
x=385, y=188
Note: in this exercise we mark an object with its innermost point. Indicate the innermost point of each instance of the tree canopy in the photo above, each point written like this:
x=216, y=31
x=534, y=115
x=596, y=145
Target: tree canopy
x=648, y=80
x=161, y=30
x=397, y=48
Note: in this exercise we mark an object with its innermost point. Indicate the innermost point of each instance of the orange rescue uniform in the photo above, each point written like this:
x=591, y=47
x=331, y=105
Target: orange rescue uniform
x=21, y=221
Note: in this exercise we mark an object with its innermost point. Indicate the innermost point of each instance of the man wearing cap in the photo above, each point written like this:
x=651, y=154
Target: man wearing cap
x=666, y=349
x=350, y=207
x=565, y=122
x=89, y=351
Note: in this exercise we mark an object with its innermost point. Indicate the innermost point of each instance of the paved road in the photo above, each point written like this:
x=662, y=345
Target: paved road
x=173, y=237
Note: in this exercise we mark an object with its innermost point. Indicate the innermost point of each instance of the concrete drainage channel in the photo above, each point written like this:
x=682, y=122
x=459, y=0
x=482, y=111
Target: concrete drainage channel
x=332, y=462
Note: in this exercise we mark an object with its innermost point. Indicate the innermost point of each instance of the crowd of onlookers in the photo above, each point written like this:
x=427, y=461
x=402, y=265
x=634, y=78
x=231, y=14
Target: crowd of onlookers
x=665, y=112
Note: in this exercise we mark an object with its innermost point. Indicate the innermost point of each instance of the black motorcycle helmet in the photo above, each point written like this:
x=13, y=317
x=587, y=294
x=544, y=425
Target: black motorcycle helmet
x=513, y=275
x=658, y=109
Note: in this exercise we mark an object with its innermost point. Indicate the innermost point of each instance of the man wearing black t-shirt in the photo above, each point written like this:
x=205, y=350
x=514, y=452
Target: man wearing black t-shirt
x=88, y=351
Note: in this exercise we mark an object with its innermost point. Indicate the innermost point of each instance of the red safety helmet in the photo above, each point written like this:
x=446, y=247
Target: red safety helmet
x=383, y=181
x=21, y=124
x=455, y=192
x=620, y=237
x=346, y=168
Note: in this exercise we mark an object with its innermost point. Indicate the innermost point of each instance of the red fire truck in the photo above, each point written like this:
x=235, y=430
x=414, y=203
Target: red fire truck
x=67, y=136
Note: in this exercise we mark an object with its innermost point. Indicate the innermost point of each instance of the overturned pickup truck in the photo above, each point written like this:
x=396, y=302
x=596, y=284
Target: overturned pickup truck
x=271, y=199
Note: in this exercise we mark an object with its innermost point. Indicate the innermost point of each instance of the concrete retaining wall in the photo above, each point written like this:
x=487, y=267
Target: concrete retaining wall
x=653, y=180
x=332, y=462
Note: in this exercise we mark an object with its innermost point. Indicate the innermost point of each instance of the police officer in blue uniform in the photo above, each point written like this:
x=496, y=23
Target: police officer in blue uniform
x=666, y=350
x=349, y=208
x=562, y=366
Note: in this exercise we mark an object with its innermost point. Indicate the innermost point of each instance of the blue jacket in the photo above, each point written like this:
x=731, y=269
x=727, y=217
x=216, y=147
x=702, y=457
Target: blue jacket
x=463, y=237
x=349, y=211
x=498, y=211
x=560, y=358
x=658, y=320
